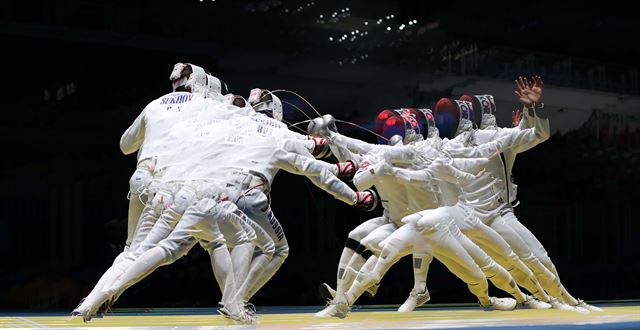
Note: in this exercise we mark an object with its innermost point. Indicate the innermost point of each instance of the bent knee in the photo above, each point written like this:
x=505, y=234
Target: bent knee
x=475, y=278
x=140, y=180
x=281, y=251
x=357, y=235
x=489, y=267
x=529, y=259
x=182, y=200
x=372, y=245
x=161, y=200
x=268, y=248
x=216, y=242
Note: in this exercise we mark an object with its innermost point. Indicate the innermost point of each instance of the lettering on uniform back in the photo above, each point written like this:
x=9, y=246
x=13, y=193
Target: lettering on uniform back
x=176, y=99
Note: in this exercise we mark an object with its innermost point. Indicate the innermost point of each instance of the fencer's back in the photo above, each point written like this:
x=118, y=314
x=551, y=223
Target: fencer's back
x=238, y=142
x=161, y=115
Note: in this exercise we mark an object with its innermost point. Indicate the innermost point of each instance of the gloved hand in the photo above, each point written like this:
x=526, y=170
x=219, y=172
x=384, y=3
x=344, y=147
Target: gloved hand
x=321, y=149
x=367, y=200
x=322, y=126
x=347, y=170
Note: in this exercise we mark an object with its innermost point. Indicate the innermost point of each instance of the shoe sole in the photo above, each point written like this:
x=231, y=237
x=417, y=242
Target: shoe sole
x=325, y=292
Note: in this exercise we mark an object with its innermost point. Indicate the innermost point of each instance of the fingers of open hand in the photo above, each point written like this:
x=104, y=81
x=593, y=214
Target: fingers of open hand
x=519, y=85
x=525, y=83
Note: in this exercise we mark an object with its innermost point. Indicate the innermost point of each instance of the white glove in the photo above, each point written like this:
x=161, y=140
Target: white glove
x=322, y=126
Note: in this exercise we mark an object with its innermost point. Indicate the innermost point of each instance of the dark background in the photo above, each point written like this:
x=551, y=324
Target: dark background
x=76, y=73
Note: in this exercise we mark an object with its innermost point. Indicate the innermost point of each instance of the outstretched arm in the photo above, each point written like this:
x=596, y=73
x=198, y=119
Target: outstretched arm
x=343, y=147
x=516, y=140
x=321, y=174
x=318, y=146
x=440, y=169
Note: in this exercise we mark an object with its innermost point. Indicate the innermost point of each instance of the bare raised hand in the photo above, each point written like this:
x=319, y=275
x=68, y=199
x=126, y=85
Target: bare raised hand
x=516, y=117
x=529, y=92
x=522, y=91
x=535, y=92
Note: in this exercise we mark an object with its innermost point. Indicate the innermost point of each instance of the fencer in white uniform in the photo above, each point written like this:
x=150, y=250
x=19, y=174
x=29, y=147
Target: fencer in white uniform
x=264, y=154
x=447, y=114
x=175, y=196
x=469, y=215
x=424, y=200
x=254, y=202
x=166, y=135
x=420, y=237
x=496, y=273
x=152, y=129
x=157, y=123
x=484, y=199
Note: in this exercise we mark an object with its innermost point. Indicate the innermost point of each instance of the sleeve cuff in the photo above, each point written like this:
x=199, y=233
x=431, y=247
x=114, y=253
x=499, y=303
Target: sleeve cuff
x=541, y=113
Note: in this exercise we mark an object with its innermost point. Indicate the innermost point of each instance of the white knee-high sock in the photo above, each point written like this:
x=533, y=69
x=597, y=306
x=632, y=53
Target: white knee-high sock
x=270, y=270
x=370, y=274
x=345, y=257
x=222, y=266
x=421, y=264
x=350, y=271
x=256, y=269
x=241, y=256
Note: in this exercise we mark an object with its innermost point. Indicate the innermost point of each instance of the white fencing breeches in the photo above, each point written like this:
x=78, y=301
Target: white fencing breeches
x=255, y=204
x=138, y=183
x=466, y=222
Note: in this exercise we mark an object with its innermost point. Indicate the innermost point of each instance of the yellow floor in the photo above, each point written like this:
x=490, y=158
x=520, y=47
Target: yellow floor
x=424, y=319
